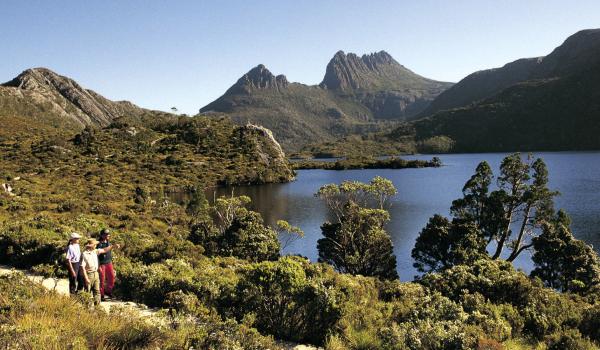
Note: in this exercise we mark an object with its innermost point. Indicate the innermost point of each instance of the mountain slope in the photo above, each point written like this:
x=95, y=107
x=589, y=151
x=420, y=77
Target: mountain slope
x=41, y=112
x=556, y=108
x=294, y=112
x=579, y=51
x=40, y=98
x=357, y=95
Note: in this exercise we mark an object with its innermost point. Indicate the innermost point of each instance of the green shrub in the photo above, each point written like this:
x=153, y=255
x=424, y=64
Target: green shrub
x=29, y=243
x=590, y=324
x=569, y=340
x=288, y=299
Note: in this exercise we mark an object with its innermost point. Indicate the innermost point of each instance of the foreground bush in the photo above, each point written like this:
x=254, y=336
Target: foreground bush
x=32, y=318
x=31, y=242
x=224, y=302
x=290, y=299
x=37, y=319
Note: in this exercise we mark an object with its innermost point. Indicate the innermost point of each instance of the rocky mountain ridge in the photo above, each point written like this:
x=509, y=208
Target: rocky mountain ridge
x=375, y=71
x=65, y=97
x=258, y=77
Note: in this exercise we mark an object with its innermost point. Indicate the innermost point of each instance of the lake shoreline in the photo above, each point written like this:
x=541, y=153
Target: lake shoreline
x=366, y=163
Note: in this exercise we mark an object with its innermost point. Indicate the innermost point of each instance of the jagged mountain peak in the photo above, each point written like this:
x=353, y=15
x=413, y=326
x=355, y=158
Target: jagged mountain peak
x=380, y=57
x=376, y=71
x=258, y=77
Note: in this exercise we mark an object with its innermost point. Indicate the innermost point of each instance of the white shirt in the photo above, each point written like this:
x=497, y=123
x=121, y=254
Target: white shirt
x=73, y=253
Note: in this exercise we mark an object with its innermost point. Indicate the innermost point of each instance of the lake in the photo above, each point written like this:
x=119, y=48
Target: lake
x=424, y=192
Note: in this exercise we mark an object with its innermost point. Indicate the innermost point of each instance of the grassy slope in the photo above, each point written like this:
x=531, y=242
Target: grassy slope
x=33, y=318
x=301, y=114
x=56, y=176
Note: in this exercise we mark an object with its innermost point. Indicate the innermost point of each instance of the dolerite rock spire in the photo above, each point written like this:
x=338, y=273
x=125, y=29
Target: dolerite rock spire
x=380, y=83
x=346, y=72
x=258, y=77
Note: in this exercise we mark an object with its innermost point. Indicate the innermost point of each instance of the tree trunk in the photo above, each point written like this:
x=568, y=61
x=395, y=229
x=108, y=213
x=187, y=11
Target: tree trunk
x=504, y=236
x=517, y=250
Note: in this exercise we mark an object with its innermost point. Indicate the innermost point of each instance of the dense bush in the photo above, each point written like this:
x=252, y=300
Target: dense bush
x=289, y=298
x=31, y=242
x=230, y=229
x=527, y=306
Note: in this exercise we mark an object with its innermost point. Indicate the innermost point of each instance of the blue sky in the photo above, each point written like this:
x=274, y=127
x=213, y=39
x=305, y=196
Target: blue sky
x=159, y=54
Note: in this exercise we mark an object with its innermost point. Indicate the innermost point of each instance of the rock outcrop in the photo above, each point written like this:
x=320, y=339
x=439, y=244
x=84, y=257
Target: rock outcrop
x=7, y=188
x=268, y=153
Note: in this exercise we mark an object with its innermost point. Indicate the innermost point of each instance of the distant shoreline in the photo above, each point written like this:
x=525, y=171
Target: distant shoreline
x=366, y=163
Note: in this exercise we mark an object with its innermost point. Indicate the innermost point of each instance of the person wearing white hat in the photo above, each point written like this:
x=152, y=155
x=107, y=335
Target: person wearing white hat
x=73, y=261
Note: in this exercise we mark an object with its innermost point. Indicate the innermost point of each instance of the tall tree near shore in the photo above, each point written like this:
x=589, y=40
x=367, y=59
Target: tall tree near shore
x=356, y=242
x=507, y=218
x=444, y=243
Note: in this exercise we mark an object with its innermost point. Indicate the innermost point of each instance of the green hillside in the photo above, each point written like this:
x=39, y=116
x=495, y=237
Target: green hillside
x=358, y=95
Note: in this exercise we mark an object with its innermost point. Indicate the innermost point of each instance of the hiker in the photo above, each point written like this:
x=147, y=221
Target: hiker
x=89, y=267
x=106, y=269
x=73, y=261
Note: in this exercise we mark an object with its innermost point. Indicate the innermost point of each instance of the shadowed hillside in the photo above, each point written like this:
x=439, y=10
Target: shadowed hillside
x=549, y=103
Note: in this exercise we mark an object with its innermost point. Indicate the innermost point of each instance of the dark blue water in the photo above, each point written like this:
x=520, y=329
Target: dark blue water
x=424, y=192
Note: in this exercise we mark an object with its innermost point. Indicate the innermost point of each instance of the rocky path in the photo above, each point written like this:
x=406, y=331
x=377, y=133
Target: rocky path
x=61, y=286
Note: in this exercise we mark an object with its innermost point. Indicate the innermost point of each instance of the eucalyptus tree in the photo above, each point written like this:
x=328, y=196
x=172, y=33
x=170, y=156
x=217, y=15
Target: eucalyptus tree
x=356, y=241
x=506, y=218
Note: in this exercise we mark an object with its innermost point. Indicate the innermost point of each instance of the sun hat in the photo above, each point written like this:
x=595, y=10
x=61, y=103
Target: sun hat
x=75, y=235
x=91, y=242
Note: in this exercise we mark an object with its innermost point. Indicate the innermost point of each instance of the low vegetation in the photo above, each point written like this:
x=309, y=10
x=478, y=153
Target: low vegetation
x=400, y=140
x=217, y=268
x=33, y=318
